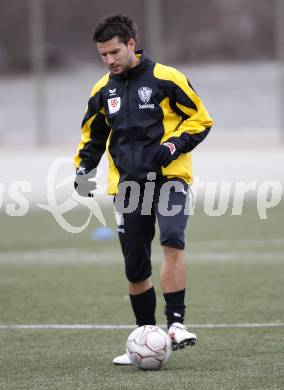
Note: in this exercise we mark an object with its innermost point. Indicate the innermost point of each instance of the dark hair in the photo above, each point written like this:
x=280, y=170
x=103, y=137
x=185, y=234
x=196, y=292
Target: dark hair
x=116, y=25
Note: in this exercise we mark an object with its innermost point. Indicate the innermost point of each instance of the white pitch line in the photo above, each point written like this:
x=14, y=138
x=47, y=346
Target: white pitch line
x=71, y=257
x=117, y=326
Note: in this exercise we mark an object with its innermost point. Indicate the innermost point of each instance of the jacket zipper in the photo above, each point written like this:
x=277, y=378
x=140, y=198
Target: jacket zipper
x=128, y=121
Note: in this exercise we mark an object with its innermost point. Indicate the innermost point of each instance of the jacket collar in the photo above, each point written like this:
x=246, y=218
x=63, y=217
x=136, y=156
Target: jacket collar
x=138, y=69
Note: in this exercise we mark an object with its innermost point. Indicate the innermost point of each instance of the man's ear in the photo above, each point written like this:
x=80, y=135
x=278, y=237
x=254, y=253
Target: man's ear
x=132, y=43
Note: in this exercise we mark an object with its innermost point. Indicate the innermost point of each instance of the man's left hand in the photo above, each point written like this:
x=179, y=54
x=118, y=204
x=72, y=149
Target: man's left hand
x=82, y=183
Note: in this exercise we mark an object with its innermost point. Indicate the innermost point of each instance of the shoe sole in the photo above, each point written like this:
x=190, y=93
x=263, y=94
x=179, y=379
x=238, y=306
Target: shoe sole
x=183, y=344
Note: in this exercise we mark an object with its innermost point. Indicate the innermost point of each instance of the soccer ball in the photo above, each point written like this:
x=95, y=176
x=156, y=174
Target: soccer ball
x=149, y=347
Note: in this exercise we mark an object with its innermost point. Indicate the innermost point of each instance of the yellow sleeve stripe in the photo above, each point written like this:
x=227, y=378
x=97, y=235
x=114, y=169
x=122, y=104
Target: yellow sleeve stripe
x=198, y=120
x=86, y=129
x=85, y=137
x=86, y=132
x=196, y=123
x=164, y=72
x=187, y=110
x=100, y=84
x=113, y=177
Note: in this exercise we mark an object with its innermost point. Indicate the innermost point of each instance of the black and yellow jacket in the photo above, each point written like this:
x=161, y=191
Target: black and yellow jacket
x=130, y=115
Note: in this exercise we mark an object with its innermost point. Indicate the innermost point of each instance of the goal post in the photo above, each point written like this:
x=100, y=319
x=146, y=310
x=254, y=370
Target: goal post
x=36, y=27
x=279, y=46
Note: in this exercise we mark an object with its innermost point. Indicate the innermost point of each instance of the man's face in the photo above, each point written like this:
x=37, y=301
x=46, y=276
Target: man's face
x=117, y=56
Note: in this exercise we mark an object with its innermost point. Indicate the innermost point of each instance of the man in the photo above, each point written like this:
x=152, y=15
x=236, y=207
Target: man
x=148, y=118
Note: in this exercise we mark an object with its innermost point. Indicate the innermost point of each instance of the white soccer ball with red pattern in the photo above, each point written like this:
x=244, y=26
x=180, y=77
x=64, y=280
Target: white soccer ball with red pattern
x=149, y=347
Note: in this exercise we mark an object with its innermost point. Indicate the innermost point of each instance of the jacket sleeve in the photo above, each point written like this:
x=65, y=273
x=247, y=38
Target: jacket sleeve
x=196, y=122
x=95, y=131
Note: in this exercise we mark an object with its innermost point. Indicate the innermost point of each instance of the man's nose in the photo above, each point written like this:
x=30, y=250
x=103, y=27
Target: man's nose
x=109, y=59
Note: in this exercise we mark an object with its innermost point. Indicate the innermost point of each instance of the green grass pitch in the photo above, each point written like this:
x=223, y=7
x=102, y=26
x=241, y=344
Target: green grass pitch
x=48, y=276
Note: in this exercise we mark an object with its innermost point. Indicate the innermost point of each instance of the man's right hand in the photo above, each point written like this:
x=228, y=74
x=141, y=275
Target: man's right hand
x=166, y=154
x=82, y=184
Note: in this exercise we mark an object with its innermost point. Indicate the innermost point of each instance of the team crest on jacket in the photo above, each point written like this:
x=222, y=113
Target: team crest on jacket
x=114, y=104
x=145, y=95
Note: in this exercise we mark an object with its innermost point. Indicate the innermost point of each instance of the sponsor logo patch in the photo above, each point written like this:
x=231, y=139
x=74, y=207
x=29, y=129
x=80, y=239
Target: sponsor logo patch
x=112, y=92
